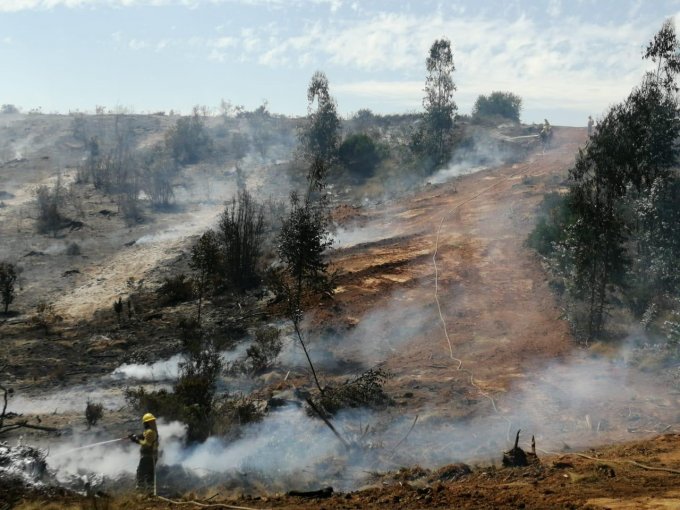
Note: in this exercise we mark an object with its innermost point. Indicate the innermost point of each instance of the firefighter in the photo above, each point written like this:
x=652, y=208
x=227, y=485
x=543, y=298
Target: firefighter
x=547, y=128
x=148, y=454
x=545, y=134
x=591, y=123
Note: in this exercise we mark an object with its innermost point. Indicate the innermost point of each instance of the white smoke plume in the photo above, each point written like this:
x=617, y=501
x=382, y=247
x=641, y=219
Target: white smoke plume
x=168, y=369
x=353, y=235
x=480, y=151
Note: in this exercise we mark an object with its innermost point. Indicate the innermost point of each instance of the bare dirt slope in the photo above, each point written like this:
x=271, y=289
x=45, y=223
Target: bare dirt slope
x=509, y=360
x=501, y=317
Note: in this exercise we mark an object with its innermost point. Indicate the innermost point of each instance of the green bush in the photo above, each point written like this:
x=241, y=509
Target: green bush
x=360, y=155
x=262, y=354
x=501, y=104
x=554, y=217
x=188, y=141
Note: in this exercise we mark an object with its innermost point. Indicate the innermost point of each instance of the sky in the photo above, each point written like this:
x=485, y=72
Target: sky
x=566, y=59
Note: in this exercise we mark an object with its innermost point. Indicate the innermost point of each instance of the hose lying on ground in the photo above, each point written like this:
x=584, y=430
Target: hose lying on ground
x=205, y=505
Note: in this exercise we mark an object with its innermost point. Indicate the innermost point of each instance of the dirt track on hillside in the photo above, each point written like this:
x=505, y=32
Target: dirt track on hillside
x=500, y=314
x=511, y=356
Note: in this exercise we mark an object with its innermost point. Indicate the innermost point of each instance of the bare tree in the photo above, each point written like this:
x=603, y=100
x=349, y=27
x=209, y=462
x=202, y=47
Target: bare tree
x=8, y=275
x=205, y=257
x=240, y=232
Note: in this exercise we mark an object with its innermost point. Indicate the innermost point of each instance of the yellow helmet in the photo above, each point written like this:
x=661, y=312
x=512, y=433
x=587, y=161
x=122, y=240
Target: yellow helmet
x=148, y=417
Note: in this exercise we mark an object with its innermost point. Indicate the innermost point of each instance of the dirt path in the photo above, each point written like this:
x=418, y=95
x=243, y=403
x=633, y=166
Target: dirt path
x=499, y=312
x=511, y=356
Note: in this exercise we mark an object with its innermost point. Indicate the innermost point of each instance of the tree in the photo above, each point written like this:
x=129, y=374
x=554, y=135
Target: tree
x=205, y=256
x=303, y=239
x=8, y=109
x=8, y=275
x=664, y=50
x=159, y=171
x=620, y=232
x=196, y=387
x=501, y=104
x=240, y=230
x=434, y=139
x=188, y=141
x=261, y=124
x=320, y=139
x=239, y=144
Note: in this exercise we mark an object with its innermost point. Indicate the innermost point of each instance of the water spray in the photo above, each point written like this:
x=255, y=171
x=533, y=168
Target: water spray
x=93, y=445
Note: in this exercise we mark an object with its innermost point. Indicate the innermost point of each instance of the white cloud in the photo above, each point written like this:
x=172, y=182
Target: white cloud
x=224, y=42
x=26, y=5
x=554, y=8
x=137, y=44
x=389, y=91
x=571, y=63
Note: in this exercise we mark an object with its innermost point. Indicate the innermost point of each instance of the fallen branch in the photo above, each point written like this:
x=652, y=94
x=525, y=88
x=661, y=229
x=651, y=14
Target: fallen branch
x=328, y=423
x=24, y=424
x=631, y=462
x=616, y=461
x=406, y=436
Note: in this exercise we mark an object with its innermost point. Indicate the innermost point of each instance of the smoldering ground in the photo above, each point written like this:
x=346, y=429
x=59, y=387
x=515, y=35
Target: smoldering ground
x=478, y=151
x=574, y=403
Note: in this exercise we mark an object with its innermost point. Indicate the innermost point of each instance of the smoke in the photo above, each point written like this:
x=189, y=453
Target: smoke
x=168, y=369
x=452, y=171
x=579, y=401
x=284, y=443
x=349, y=236
x=479, y=150
x=73, y=458
x=158, y=371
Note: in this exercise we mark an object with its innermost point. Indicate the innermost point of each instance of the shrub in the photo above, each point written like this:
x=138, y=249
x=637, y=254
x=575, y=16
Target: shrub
x=192, y=400
x=554, y=216
x=266, y=348
x=188, y=141
x=262, y=354
x=73, y=249
x=235, y=412
x=175, y=289
x=93, y=413
x=131, y=209
x=45, y=316
x=365, y=390
x=49, y=201
x=360, y=155
x=195, y=389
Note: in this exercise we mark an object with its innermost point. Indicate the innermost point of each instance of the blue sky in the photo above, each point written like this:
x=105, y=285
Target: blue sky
x=566, y=59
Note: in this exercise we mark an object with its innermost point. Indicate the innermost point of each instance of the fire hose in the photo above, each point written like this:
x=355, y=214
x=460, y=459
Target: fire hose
x=436, y=293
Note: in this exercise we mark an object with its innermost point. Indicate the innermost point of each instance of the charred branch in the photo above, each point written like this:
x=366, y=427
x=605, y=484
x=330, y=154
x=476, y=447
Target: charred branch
x=327, y=422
